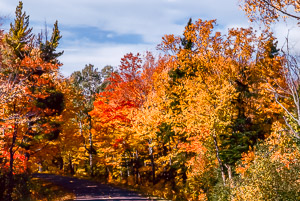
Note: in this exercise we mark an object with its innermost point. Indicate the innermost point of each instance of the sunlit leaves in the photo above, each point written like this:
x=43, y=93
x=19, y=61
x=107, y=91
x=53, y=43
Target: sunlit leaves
x=269, y=11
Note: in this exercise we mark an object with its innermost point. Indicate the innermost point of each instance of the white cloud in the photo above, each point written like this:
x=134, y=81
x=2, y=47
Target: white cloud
x=151, y=19
x=99, y=55
x=283, y=31
x=148, y=19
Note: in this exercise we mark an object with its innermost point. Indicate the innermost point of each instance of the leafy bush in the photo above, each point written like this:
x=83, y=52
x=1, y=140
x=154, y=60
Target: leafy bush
x=268, y=178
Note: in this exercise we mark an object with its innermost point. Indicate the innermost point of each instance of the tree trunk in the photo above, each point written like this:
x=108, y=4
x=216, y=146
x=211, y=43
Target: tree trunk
x=152, y=162
x=219, y=160
x=40, y=167
x=71, y=165
x=229, y=175
x=11, y=164
x=107, y=174
x=91, y=155
x=137, y=166
x=91, y=146
x=127, y=168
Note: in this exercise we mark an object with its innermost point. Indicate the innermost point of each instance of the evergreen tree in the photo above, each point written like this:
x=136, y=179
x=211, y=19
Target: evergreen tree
x=20, y=34
x=187, y=43
x=247, y=128
x=166, y=131
x=48, y=48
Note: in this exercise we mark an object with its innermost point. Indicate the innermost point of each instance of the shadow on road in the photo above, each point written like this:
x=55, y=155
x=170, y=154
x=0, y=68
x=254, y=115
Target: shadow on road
x=91, y=190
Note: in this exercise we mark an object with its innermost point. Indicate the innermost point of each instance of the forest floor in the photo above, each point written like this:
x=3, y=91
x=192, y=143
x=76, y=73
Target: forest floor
x=92, y=190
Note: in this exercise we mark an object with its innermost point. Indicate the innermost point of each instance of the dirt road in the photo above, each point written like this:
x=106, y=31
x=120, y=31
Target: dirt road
x=90, y=190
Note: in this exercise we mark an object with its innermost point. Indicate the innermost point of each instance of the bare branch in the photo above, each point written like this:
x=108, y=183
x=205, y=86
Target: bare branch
x=291, y=128
x=280, y=10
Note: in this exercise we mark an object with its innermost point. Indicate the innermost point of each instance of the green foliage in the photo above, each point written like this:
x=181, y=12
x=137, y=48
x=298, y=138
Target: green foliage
x=19, y=34
x=48, y=48
x=88, y=81
x=220, y=193
x=106, y=74
x=268, y=179
x=247, y=126
x=187, y=43
x=207, y=183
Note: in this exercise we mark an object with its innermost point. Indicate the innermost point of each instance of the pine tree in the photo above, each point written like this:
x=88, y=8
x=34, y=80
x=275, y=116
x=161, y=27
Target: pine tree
x=20, y=35
x=48, y=48
x=247, y=127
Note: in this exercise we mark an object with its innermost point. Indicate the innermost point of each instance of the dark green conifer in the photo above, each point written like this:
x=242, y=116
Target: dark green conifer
x=48, y=48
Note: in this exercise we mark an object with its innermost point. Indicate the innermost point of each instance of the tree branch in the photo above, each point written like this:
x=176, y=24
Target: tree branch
x=282, y=11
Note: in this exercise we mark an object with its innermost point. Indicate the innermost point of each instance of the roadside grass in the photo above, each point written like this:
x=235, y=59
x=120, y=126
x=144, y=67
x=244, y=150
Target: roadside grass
x=42, y=190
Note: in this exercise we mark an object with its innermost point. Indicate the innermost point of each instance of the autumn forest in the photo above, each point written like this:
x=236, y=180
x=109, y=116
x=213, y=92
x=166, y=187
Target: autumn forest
x=213, y=116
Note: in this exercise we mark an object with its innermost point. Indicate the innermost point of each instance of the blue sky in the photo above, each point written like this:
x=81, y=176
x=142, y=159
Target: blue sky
x=100, y=32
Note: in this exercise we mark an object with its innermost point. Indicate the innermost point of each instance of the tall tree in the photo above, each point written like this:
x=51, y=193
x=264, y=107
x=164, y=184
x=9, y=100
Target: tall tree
x=115, y=109
x=48, y=47
x=20, y=37
x=89, y=82
x=27, y=95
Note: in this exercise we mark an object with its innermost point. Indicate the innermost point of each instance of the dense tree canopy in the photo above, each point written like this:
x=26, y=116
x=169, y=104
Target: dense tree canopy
x=214, y=116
